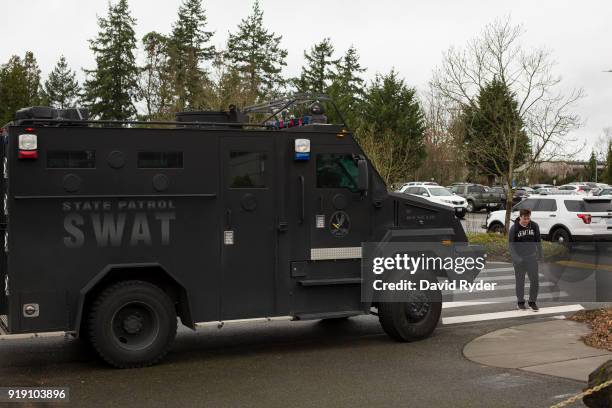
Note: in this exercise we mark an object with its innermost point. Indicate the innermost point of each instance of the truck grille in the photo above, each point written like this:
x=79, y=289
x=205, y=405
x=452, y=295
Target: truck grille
x=3, y=324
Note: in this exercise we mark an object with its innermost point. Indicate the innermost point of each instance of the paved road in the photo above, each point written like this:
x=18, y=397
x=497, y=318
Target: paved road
x=302, y=364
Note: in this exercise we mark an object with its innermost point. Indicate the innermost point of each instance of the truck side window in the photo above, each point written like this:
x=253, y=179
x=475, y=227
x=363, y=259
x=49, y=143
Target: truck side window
x=160, y=160
x=71, y=159
x=336, y=170
x=247, y=170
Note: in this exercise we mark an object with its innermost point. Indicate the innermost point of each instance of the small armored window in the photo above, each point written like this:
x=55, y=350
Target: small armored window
x=247, y=170
x=336, y=170
x=160, y=160
x=71, y=159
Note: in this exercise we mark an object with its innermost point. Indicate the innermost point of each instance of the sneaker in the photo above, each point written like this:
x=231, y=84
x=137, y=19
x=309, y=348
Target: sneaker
x=534, y=307
x=521, y=306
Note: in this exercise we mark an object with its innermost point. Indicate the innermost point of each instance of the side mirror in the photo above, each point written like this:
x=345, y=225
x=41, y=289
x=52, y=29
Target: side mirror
x=425, y=194
x=363, y=181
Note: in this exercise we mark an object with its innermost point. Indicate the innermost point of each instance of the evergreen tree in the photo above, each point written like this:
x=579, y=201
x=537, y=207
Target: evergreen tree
x=590, y=169
x=32, y=79
x=188, y=49
x=61, y=88
x=257, y=55
x=393, y=127
x=111, y=88
x=19, y=86
x=494, y=135
x=154, y=82
x=347, y=88
x=319, y=70
x=607, y=176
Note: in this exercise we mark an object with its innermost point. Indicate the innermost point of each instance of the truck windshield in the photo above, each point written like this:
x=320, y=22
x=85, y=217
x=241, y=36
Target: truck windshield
x=335, y=170
x=439, y=192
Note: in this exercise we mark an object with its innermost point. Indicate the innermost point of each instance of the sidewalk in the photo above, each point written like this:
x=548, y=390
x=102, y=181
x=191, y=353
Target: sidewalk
x=550, y=347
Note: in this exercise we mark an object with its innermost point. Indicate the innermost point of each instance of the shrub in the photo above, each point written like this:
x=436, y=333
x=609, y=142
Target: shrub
x=496, y=247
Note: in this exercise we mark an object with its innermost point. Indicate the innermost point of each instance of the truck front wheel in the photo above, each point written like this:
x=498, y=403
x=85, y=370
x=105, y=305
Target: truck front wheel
x=409, y=321
x=132, y=324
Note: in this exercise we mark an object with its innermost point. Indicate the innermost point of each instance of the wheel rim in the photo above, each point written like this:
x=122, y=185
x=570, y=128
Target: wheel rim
x=561, y=237
x=470, y=207
x=418, y=308
x=135, y=326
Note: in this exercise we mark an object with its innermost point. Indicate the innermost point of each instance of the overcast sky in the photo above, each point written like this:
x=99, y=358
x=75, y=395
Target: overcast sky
x=408, y=35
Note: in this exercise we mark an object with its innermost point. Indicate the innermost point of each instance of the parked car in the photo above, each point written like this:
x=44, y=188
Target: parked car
x=520, y=193
x=440, y=195
x=563, y=218
x=417, y=183
x=478, y=197
x=545, y=190
x=601, y=189
x=605, y=192
x=576, y=188
x=538, y=186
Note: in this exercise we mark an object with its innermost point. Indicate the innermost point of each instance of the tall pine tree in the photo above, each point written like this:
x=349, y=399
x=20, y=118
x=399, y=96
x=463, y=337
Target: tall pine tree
x=19, y=85
x=319, y=70
x=155, y=87
x=111, y=88
x=188, y=49
x=257, y=55
x=61, y=88
x=347, y=87
x=607, y=176
x=494, y=139
x=392, y=129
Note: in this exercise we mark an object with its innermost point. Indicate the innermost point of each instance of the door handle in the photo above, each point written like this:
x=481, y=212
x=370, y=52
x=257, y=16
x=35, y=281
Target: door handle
x=552, y=215
x=302, y=198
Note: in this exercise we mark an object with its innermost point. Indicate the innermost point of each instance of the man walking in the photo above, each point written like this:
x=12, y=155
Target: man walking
x=525, y=249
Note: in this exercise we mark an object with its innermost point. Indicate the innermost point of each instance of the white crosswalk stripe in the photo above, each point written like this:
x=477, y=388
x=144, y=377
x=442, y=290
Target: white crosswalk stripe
x=510, y=314
x=503, y=299
x=500, y=303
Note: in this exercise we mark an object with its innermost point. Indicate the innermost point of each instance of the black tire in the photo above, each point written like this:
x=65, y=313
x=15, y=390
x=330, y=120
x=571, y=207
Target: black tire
x=400, y=323
x=495, y=228
x=132, y=324
x=460, y=215
x=470, y=207
x=561, y=236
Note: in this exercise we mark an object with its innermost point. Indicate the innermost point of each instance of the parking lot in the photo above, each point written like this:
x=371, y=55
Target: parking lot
x=473, y=222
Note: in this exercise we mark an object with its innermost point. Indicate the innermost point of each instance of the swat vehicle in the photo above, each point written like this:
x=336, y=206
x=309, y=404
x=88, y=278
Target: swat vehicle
x=114, y=229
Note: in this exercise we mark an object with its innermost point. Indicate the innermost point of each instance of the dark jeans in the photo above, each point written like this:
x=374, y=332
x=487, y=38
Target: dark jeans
x=529, y=266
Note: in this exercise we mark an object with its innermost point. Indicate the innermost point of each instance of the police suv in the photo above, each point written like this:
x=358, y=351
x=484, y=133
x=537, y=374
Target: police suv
x=114, y=229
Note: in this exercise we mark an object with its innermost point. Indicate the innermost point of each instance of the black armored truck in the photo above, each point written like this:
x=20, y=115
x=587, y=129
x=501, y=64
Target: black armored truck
x=115, y=231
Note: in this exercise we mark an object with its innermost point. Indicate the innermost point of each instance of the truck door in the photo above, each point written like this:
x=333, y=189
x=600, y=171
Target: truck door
x=249, y=235
x=329, y=220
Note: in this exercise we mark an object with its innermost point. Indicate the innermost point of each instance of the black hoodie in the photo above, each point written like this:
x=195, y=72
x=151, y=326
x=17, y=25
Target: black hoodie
x=524, y=242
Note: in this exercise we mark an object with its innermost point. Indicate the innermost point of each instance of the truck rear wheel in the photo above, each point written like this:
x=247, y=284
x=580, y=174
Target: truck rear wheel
x=410, y=321
x=132, y=324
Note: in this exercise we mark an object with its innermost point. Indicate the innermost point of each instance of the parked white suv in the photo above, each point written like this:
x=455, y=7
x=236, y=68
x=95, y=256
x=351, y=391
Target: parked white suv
x=576, y=188
x=563, y=218
x=440, y=195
